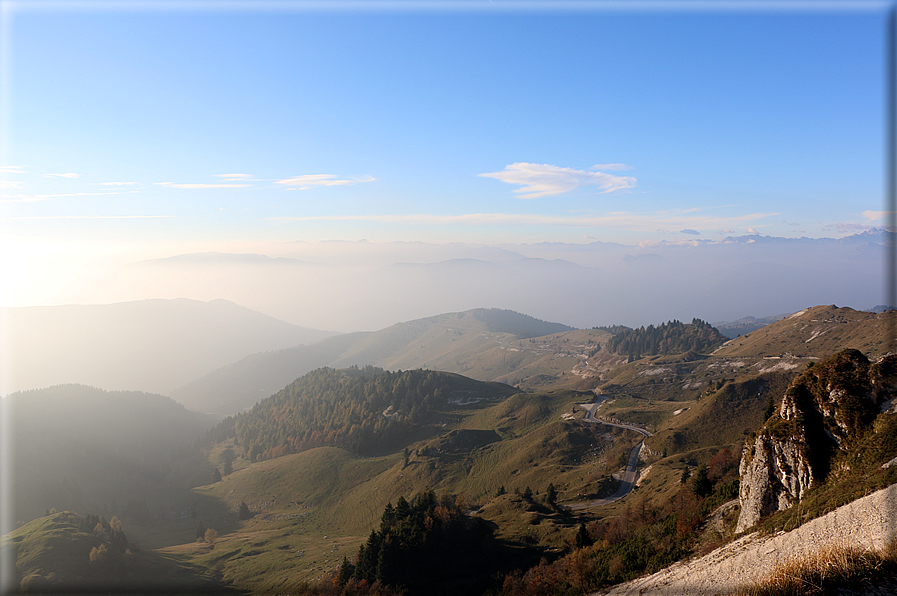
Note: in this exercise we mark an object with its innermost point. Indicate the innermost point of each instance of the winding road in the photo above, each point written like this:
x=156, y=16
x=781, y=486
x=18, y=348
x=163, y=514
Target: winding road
x=631, y=472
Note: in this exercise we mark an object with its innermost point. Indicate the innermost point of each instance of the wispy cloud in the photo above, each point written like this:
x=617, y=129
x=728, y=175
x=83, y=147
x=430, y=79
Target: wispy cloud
x=68, y=175
x=690, y=231
x=38, y=198
x=849, y=227
x=86, y=217
x=234, y=177
x=630, y=221
x=876, y=215
x=307, y=181
x=12, y=169
x=201, y=185
x=10, y=184
x=541, y=180
x=115, y=183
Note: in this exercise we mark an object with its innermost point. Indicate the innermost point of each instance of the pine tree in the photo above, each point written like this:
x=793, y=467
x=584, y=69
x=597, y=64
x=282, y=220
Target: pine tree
x=702, y=486
x=551, y=495
x=582, y=537
x=244, y=512
x=770, y=410
x=346, y=569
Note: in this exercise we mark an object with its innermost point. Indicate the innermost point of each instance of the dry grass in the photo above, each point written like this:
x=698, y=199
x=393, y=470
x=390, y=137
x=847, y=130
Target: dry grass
x=825, y=570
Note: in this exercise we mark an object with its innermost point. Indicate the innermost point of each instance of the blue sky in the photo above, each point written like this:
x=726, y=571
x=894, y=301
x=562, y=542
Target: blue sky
x=130, y=131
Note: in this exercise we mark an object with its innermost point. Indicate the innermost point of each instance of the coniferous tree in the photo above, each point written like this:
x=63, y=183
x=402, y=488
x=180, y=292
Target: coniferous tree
x=244, y=512
x=551, y=495
x=582, y=537
x=770, y=410
x=702, y=486
x=368, y=557
x=346, y=570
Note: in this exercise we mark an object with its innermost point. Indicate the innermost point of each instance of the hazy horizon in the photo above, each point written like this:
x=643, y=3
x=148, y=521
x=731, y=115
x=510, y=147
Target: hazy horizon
x=134, y=132
x=364, y=286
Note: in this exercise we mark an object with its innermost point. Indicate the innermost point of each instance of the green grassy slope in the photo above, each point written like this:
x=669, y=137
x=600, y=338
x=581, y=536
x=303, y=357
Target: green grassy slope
x=818, y=332
x=474, y=449
x=311, y=509
x=52, y=555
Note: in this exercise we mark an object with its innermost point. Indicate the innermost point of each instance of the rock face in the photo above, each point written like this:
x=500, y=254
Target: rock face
x=825, y=409
x=773, y=474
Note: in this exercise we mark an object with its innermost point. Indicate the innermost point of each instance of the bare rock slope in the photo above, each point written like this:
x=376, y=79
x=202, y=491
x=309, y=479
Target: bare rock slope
x=870, y=522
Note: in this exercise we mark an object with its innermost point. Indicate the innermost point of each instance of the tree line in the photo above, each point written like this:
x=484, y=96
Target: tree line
x=360, y=409
x=673, y=337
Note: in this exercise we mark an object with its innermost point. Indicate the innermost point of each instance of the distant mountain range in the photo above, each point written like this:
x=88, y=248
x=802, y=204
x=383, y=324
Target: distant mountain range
x=351, y=286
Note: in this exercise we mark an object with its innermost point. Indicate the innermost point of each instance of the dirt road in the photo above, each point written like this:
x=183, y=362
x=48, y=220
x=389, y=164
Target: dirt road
x=630, y=474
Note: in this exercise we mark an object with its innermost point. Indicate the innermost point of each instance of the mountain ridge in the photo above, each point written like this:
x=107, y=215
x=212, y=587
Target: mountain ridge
x=153, y=345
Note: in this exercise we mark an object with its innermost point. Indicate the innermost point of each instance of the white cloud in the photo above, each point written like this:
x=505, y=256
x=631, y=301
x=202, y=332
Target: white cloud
x=38, y=198
x=876, y=215
x=307, y=181
x=115, y=183
x=12, y=169
x=195, y=186
x=68, y=175
x=234, y=177
x=10, y=184
x=541, y=180
x=86, y=217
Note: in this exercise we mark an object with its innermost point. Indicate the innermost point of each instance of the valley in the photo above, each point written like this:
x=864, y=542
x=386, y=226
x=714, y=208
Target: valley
x=583, y=467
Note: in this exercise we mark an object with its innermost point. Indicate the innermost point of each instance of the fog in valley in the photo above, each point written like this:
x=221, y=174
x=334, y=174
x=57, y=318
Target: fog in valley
x=354, y=286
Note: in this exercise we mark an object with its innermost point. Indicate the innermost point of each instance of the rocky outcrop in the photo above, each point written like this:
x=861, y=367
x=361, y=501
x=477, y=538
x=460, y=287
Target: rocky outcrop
x=825, y=409
x=774, y=474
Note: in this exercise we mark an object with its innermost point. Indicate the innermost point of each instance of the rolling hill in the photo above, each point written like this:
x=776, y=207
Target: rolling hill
x=147, y=345
x=84, y=449
x=316, y=463
x=817, y=332
x=484, y=344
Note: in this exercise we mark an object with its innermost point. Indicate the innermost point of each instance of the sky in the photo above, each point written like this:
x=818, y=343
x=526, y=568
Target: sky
x=137, y=130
